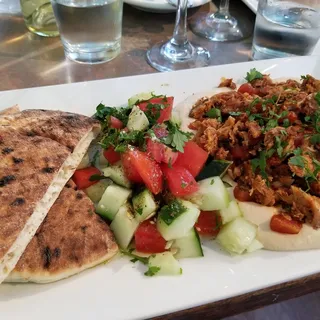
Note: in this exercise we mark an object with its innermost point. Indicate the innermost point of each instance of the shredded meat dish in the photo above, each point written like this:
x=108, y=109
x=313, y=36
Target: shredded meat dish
x=271, y=133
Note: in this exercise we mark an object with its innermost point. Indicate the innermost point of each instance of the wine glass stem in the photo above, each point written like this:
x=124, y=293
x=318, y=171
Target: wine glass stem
x=180, y=29
x=224, y=6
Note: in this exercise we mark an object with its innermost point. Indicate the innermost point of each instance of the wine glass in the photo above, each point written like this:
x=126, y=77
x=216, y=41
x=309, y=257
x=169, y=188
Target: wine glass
x=219, y=26
x=178, y=53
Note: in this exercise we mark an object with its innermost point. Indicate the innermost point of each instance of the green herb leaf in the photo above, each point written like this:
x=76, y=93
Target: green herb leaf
x=272, y=123
x=278, y=144
x=97, y=177
x=139, y=210
x=214, y=113
x=297, y=161
x=135, y=257
x=286, y=123
x=304, y=77
x=297, y=152
x=176, y=138
x=212, y=182
x=104, y=112
x=152, y=271
x=317, y=98
x=307, y=118
x=315, y=138
x=253, y=74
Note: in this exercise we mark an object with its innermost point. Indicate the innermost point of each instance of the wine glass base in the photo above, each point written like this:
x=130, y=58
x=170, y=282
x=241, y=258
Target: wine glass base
x=216, y=27
x=167, y=56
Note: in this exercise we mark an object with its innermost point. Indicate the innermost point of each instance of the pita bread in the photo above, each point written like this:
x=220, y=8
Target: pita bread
x=71, y=239
x=39, y=151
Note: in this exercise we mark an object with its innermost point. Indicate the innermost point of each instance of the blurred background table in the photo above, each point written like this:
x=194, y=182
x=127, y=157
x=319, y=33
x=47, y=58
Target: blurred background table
x=28, y=60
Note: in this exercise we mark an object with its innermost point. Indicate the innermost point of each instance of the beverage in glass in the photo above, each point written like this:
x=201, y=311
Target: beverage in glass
x=286, y=28
x=39, y=18
x=90, y=30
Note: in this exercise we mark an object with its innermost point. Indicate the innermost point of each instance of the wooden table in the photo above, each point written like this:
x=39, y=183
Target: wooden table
x=27, y=60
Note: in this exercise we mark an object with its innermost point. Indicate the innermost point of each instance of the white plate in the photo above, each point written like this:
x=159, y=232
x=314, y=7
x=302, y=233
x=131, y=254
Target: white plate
x=119, y=290
x=161, y=6
x=252, y=4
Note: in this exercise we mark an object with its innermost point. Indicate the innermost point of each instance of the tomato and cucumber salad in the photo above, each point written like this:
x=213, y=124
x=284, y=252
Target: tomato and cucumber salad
x=155, y=187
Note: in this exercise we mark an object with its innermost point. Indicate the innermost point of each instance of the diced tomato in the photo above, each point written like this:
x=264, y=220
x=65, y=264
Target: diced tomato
x=169, y=156
x=209, y=223
x=193, y=158
x=115, y=123
x=165, y=114
x=148, y=239
x=155, y=150
x=279, y=223
x=248, y=88
x=292, y=116
x=147, y=168
x=298, y=140
x=111, y=155
x=242, y=194
x=240, y=152
x=160, y=132
x=180, y=180
x=81, y=177
x=131, y=172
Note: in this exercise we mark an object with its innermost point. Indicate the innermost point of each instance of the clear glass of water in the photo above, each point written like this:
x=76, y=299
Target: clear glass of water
x=39, y=18
x=90, y=30
x=286, y=28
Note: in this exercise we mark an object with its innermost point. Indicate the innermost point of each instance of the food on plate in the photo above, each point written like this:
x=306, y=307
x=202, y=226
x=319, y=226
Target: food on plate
x=72, y=238
x=269, y=135
x=39, y=152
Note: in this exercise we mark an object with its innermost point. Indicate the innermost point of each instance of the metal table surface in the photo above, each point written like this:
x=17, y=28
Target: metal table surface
x=28, y=60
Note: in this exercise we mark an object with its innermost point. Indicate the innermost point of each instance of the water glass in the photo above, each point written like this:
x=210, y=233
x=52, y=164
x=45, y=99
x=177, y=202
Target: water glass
x=39, y=18
x=90, y=30
x=286, y=28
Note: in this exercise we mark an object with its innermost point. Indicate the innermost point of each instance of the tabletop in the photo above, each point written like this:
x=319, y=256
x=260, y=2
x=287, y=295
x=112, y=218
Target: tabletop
x=27, y=60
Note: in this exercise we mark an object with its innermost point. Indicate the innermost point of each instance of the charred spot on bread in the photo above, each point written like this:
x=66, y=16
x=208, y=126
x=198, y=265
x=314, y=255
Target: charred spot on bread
x=6, y=180
x=31, y=133
x=48, y=170
x=17, y=202
x=17, y=160
x=7, y=150
x=57, y=252
x=79, y=195
x=46, y=257
x=84, y=228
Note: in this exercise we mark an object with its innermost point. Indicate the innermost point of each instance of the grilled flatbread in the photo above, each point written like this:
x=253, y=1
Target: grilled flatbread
x=72, y=238
x=39, y=151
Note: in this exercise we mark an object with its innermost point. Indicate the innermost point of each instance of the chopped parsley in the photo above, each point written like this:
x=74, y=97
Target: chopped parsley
x=184, y=185
x=261, y=163
x=286, y=123
x=134, y=257
x=214, y=113
x=298, y=161
x=171, y=211
x=315, y=139
x=253, y=74
x=97, y=177
x=317, y=98
x=304, y=77
x=139, y=210
x=176, y=138
x=212, y=182
x=103, y=112
x=152, y=271
x=153, y=111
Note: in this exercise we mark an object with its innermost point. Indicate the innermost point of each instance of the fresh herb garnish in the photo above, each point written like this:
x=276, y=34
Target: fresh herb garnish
x=184, y=185
x=315, y=138
x=286, y=123
x=135, y=257
x=214, y=113
x=103, y=112
x=171, y=211
x=152, y=271
x=176, y=138
x=279, y=147
x=261, y=163
x=139, y=210
x=317, y=97
x=253, y=74
x=212, y=182
x=304, y=77
x=97, y=177
x=153, y=111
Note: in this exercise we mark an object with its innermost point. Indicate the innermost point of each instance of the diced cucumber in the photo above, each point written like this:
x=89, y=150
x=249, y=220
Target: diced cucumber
x=177, y=219
x=143, y=96
x=188, y=246
x=231, y=212
x=212, y=195
x=96, y=191
x=124, y=226
x=214, y=168
x=85, y=162
x=237, y=235
x=254, y=246
x=137, y=120
x=117, y=175
x=164, y=264
x=112, y=199
x=144, y=205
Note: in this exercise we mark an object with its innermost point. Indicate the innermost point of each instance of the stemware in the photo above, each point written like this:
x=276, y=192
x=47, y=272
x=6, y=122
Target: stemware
x=218, y=26
x=178, y=53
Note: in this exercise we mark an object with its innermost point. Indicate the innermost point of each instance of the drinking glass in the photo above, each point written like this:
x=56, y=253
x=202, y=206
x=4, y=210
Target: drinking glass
x=39, y=18
x=178, y=53
x=286, y=28
x=218, y=26
x=90, y=30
